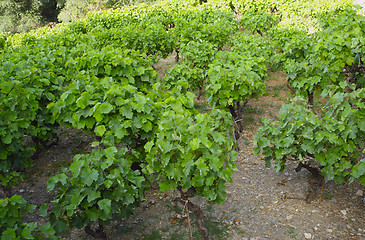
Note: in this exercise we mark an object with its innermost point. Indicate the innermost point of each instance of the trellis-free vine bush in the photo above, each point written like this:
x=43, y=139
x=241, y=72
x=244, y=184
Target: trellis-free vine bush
x=97, y=188
x=334, y=137
x=12, y=224
x=233, y=78
x=31, y=77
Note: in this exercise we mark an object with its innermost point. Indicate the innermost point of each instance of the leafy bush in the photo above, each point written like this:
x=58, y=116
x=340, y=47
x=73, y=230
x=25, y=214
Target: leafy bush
x=234, y=78
x=12, y=224
x=333, y=138
x=97, y=187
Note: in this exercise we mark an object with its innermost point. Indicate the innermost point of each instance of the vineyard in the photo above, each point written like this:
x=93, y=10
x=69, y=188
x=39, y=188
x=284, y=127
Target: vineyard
x=138, y=126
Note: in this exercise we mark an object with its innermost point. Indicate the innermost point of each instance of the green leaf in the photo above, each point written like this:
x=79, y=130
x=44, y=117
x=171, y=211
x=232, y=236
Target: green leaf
x=53, y=180
x=219, y=138
x=47, y=230
x=202, y=167
x=7, y=139
x=105, y=108
x=339, y=179
x=9, y=234
x=268, y=160
x=100, y=130
x=120, y=132
x=83, y=101
x=263, y=142
x=327, y=173
x=75, y=167
x=43, y=210
x=89, y=176
x=92, y=195
x=94, y=62
x=308, y=146
x=106, y=163
x=26, y=233
x=60, y=226
x=362, y=179
x=93, y=214
x=3, y=154
x=195, y=143
x=358, y=170
x=164, y=186
x=288, y=141
x=361, y=124
x=105, y=205
x=148, y=146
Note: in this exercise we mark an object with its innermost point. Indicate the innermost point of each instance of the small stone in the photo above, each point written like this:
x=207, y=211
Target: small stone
x=315, y=229
x=343, y=212
x=359, y=193
x=308, y=236
x=329, y=230
x=21, y=190
x=290, y=217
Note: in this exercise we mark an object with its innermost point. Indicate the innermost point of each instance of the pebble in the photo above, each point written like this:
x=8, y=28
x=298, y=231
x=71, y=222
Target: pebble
x=329, y=230
x=21, y=190
x=308, y=236
x=343, y=212
x=290, y=217
x=359, y=193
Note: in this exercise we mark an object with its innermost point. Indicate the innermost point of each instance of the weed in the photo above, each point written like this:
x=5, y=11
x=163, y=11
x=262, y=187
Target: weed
x=328, y=196
x=249, y=119
x=254, y=110
x=291, y=233
x=277, y=90
x=176, y=236
x=154, y=235
x=217, y=229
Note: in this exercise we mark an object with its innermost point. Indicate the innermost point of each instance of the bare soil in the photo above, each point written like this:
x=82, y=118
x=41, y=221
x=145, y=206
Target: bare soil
x=260, y=203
